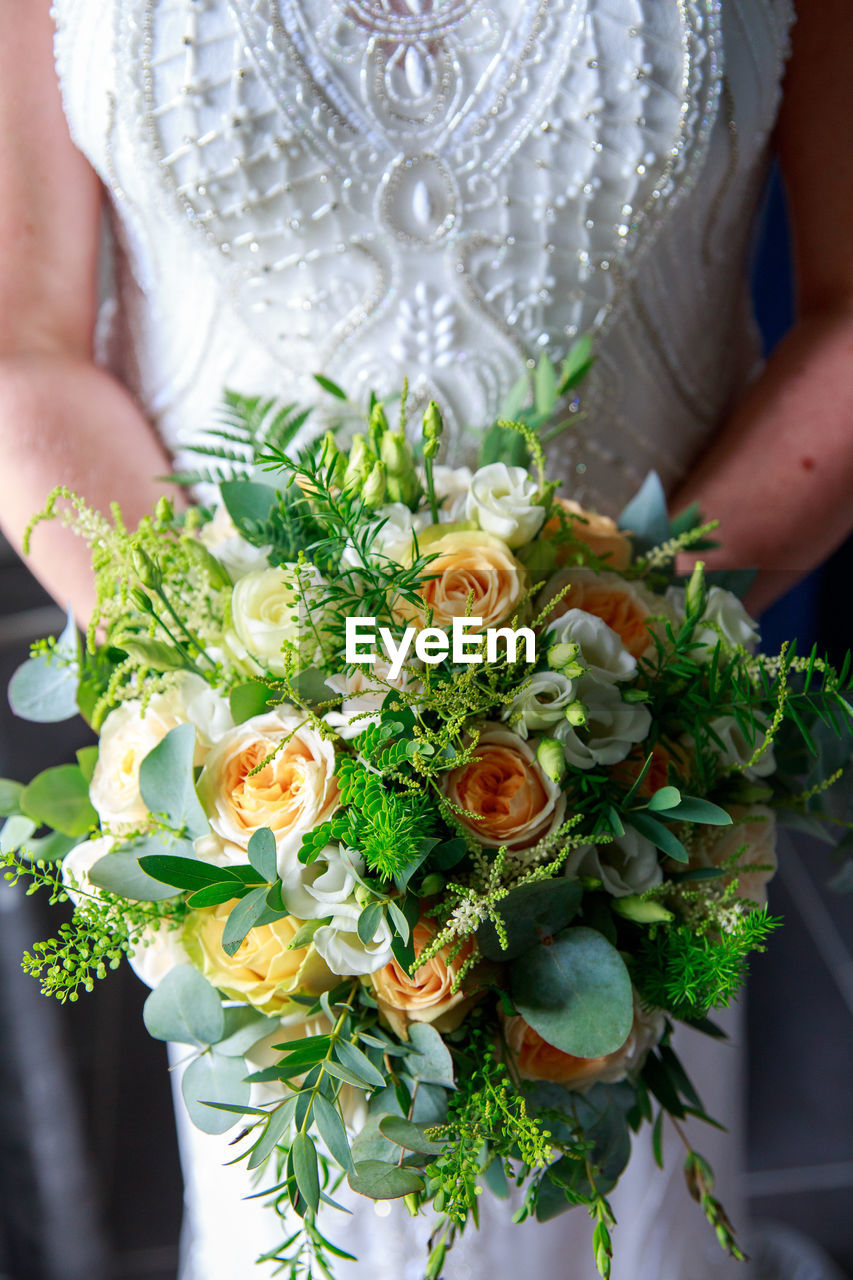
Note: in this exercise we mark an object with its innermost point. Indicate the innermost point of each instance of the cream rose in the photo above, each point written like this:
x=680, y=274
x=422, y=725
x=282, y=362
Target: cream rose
x=427, y=995
x=293, y=793
x=265, y=971
x=516, y=801
x=222, y=539
x=129, y=733
x=535, y=1059
x=599, y=533
x=272, y=609
x=624, y=606
x=504, y=501
x=468, y=566
x=158, y=951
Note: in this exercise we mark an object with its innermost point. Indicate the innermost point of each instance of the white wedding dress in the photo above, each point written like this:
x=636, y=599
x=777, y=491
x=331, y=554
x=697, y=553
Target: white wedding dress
x=441, y=189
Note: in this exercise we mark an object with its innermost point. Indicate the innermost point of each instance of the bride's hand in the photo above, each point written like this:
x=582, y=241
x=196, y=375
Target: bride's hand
x=62, y=419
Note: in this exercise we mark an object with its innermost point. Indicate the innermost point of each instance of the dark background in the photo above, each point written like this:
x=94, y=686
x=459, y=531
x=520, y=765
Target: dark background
x=89, y=1181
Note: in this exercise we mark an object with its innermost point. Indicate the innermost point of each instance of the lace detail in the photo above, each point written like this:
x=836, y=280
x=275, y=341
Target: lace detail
x=438, y=188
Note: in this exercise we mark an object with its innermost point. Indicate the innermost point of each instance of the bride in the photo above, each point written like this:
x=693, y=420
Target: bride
x=442, y=189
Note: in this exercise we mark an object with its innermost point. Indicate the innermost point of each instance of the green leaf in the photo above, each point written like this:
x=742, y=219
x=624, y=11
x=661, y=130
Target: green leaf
x=340, y=1072
x=213, y=895
x=369, y=921
x=646, y=515
x=408, y=1135
x=248, y=700
x=248, y=502
x=379, y=1181
x=303, y=1160
x=545, y=387
x=211, y=1077
x=244, y=917
x=400, y=923
x=166, y=781
x=51, y=848
x=332, y=387
x=661, y=836
x=280, y=1122
x=184, y=1008
x=331, y=1128
x=530, y=913
x=576, y=364
x=243, y=1028
x=87, y=758
x=692, y=809
x=119, y=872
x=370, y=1143
x=187, y=873
x=576, y=992
x=10, y=796
x=44, y=689
x=432, y=1062
x=262, y=854
x=664, y=798
x=59, y=798
x=354, y=1060
x=15, y=833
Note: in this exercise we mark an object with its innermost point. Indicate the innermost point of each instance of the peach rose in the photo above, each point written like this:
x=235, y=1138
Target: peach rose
x=426, y=996
x=624, y=606
x=516, y=801
x=535, y=1059
x=468, y=564
x=292, y=794
x=599, y=533
x=264, y=970
x=755, y=827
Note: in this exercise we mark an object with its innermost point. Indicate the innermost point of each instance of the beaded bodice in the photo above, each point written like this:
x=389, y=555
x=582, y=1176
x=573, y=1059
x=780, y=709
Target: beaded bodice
x=436, y=188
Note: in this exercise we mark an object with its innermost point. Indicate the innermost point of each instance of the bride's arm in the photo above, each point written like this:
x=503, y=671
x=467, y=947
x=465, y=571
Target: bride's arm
x=62, y=420
x=780, y=477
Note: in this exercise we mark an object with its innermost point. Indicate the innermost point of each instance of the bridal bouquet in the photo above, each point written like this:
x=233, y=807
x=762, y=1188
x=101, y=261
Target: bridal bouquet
x=427, y=802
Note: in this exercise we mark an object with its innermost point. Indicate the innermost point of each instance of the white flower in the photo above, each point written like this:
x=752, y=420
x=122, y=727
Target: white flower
x=503, y=501
x=724, y=611
x=540, y=703
x=628, y=865
x=343, y=950
x=394, y=529
x=737, y=748
x=77, y=864
x=315, y=891
x=452, y=485
x=158, y=951
x=364, y=690
x=291, y=794
x=237, y=556
x=601, y=650
x=612, y=727
x=274, y=607
x=128, y=734
x=218, y=852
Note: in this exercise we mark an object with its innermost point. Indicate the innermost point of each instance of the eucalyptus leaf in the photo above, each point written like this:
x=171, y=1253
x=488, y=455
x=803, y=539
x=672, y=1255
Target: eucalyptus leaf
x=331, y=1129
x=243, y=918
x=166, y=781
x=248, y=502
x=432, y=1062
x=664, y=798
x=44, y=688
x=411, y=1136
x=279, y=1124
x=249, y=700
x=369, y=921
x=59, y=798
x=530, y=913
x=261, y=852
x=576, y=992
x=646, y=516
x=10, y=797
x=185, y=1008
x=211, y=1077
x=371, y=1144
x=187, y=872
x=359, y=1063
x=119, y=872
x=16, y=831
x=303, y=1161
x=379, y=1181
x=659, y=834
x=87, y=758
x=243, y=1028
x=693, y=809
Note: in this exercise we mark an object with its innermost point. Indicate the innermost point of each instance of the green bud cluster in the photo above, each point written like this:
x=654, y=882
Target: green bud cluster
x=380, y=465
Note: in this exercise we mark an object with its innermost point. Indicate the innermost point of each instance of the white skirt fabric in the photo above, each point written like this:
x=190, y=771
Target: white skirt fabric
x=661, y=1233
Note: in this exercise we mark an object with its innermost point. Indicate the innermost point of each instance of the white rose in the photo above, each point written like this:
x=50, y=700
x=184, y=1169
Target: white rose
x=364, y=690
x=274, y=607
x=503, y=501
x=612, y=727
x=540, y=703
x=291, y=794
x=343, y=950
x=724, y=611
x=452, y=485
x=315, y=891
x=601, y=650
x=128, y=734
x=77, y=864
x=237, y=556
x=157, y=952
x=737, y=748
x=627, y=865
